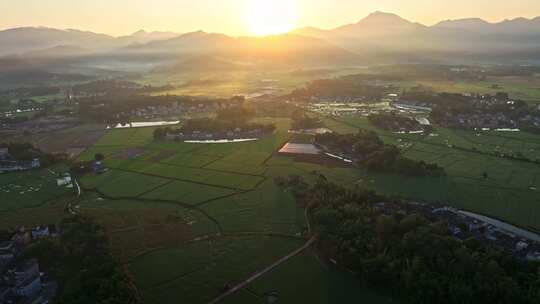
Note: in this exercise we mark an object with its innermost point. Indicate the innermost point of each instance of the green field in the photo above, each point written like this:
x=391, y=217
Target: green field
x=524, y=88
x=30, y=189
x=314, y=282
x=32, y=198
x=226, y=83
x=197, y=272
x=510, y=191
x=190, y=218
x=187, y=219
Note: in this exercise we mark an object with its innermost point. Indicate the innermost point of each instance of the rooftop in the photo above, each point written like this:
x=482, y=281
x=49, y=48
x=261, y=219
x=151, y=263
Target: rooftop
x=291, y=148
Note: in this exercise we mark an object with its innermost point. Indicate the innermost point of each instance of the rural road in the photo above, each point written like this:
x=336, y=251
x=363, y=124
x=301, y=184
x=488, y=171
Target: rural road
x=70, y=203
x=264, y=271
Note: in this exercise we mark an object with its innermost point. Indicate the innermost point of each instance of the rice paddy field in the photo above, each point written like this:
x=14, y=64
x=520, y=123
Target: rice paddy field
x=479, y=179
x=523, y=88
x=191, y=219
x=188, y=220
x=30, y=188
x=32, y=197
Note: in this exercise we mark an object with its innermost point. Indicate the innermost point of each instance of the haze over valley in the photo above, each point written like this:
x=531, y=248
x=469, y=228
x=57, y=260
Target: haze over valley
x=383, y=160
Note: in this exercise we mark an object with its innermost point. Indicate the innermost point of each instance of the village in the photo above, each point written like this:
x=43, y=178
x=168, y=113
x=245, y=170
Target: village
x=9, y=164
x=21, y=280
x=464, y=225
x=466, y=111
x=476, y=112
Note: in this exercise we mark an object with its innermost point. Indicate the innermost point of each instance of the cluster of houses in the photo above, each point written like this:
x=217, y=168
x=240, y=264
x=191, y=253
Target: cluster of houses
x=490, y=121
x=412, y=106
x=39, y=125
x=485, y=112
x=478, y=120
x=337, y=99
x=340, y=109
x=21, y=280
x=179, y=108
x=237, y=133
x=93, y=166
x=523, y=244
x=8, y=164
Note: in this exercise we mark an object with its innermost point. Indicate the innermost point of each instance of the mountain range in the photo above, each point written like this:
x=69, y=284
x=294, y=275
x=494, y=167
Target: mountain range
x=377, y=37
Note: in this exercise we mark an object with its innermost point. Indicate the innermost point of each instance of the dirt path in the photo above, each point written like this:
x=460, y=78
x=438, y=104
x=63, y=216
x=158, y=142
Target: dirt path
x=263, y=272
x=69, y=207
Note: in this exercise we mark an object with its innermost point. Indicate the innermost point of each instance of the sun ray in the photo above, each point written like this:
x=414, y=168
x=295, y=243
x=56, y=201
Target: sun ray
x=270, y=17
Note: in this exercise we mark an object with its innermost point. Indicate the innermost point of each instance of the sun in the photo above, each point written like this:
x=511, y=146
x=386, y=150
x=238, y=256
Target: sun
x=270, y=17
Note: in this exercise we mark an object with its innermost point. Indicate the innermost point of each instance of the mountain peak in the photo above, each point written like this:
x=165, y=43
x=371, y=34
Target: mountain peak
x=463, y=23
x=139, y=33
x=381, y=14
x=383, y=17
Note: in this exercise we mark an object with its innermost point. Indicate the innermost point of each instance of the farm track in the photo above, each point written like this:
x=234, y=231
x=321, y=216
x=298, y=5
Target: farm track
x=210, y=169
x=178, y=179
x=223, y=197
x=261, y=273
x=155, y=188
x=207, y=238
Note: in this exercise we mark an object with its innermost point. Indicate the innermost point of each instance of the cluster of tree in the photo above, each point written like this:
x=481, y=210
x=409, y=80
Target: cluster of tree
x=339, y=87
x=368, y=150
x=113, y=110
x=161, y=133
x=415, y=255
x=116, y=87
x=237, y=114
x=214, y=126
x=83, y=265
x=31, y=91
x=302, y=121
x=430, y=72
x=84, y=167
x=275, y=107
x=454, y=103
x=232, y=119
x=394, y=122
x=28, y=152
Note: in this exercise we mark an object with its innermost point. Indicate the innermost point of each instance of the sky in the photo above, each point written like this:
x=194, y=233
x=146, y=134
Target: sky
x=122, y=17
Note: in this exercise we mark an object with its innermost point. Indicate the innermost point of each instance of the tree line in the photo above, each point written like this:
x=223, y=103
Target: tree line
x=367, y=149
x=27, y=152
x=82, y=263
x=409, y=255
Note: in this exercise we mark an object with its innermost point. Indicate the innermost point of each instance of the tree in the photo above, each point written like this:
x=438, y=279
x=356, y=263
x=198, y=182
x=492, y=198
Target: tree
x=99, y=157
x=160, y=133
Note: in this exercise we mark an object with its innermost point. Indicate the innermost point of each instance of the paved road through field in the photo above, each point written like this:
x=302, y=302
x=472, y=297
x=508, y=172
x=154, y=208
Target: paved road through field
x=264, y=271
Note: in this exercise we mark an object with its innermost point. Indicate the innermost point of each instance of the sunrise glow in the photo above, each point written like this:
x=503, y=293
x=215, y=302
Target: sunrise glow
x=270, y=17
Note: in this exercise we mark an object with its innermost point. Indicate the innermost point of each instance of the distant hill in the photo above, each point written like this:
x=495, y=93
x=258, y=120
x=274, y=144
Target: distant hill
x=288, y=48
x=141, y=37
x=381, y=34
x=379, y=37
x=29, y=39
x=32, y=39
x=521, y=26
